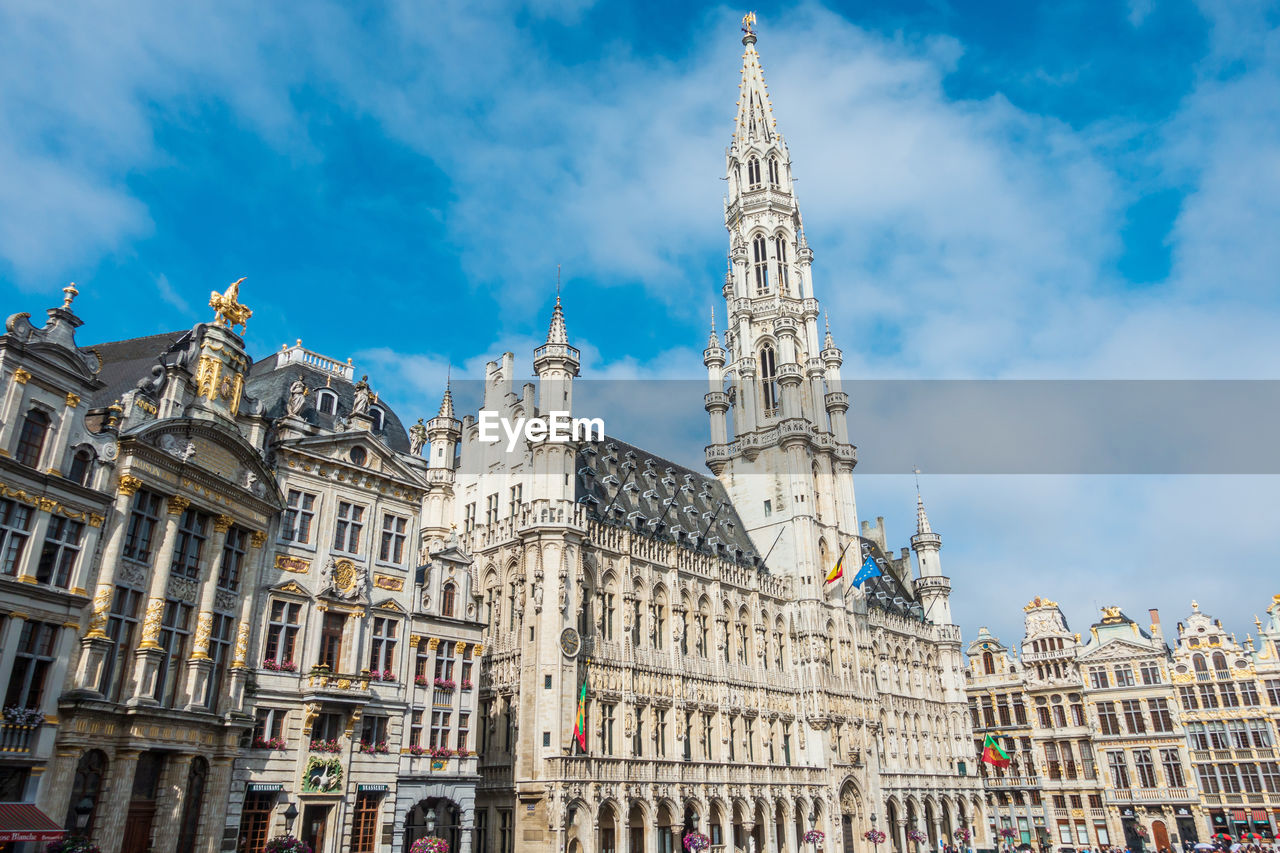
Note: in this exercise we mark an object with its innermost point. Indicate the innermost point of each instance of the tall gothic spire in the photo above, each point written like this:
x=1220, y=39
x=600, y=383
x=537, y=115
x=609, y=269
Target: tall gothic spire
x=755, y=113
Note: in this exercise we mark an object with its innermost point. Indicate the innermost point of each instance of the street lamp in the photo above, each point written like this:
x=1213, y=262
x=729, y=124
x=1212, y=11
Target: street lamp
x=875, y=834
x=813, y=824
x=290, y=815
x=83, y=809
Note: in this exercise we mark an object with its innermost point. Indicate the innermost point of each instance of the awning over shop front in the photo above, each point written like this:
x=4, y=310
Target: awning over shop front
x=25, y=822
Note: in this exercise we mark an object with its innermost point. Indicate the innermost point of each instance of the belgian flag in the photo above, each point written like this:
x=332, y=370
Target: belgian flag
x=580, y=721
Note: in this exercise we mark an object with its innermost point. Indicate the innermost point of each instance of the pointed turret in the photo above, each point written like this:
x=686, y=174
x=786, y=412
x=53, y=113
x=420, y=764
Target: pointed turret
x=444, y=431
x=713, y=340
x=557, y=334
x=922, y=518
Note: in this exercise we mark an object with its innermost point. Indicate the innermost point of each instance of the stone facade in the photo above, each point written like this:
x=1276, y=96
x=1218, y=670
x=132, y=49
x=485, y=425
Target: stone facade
x=1122, y=740
x=721, y=693
x=177, y=642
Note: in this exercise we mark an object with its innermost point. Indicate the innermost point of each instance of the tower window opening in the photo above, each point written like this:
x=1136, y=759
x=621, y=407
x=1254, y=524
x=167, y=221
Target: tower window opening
x=761, y=256
x=753, y=173
x=780, y=252
x=769, y=381
x=773, y=172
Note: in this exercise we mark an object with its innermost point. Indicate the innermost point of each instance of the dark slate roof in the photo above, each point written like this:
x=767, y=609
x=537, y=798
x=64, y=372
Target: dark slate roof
x=886, y=592
x=625, y=485
x=126, y=362
x=270, y=386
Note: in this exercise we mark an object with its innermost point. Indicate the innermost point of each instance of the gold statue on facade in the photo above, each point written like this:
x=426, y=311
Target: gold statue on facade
x=749, y=23
x=230, y=312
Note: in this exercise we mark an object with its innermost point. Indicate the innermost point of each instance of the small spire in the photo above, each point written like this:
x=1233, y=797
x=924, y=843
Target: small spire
x=71, y=293
x=713, y=342
x=446, y=404
x=557, y=334
x=828, y=343
x=922, y=518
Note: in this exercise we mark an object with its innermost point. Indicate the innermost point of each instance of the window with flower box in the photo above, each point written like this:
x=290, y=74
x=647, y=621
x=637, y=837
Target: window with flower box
x=268, y=728
x=327, y=728
x=465, y=679
x=415, y=727
x=464, y=731
x=441, y=721
x=373, y=733
x=15, y=527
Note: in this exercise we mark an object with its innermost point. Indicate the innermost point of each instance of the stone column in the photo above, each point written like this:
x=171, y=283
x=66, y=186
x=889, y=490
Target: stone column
x=54, y=796
x=39, y=530
x=170, y=802
x=96, y=646
x=113, y=804
x=240, y=665
x=149, y=652
x=214, y=811
x=900, y=835
x=200, y=665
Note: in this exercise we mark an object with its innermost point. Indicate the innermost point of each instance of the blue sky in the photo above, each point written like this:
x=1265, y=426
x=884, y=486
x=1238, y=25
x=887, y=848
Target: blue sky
x=992, y=189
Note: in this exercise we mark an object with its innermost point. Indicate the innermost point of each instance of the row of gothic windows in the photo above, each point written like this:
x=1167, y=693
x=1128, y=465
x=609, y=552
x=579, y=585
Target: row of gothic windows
x=753, y=173
x=760, y=259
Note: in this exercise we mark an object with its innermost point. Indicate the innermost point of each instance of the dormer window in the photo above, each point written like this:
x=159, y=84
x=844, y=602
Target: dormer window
x=326, y=401
x=377, y=416
x=81, y=467
x=35, y=428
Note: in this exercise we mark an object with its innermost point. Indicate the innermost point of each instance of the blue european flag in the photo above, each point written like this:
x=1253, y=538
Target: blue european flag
x=869, y=570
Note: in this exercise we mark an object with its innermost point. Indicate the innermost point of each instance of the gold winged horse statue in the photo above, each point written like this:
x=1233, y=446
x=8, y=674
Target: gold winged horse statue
x=230, y=312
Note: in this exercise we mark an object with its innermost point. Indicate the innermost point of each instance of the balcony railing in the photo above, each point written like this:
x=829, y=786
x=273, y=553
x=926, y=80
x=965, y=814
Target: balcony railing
x=16, y=739
x=1149, y=795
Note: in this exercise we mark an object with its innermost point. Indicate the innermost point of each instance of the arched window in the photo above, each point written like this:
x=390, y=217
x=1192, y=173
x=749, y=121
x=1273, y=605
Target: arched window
x=81, y=466
x=780, y=252
x=659, y=621
x=447, y=599
x=760, y=253
x=769, y=381
x=773, y=172
x=1219, y=661
x=1198, y=662
x=378, y=418
x=988, y=663
x=35, y=428
x=86, y=791
x=192, y=800
x=753, y=173
x=326, y=401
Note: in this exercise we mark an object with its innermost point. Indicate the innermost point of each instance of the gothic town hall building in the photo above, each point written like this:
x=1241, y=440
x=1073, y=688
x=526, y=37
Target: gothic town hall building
x=238, y=597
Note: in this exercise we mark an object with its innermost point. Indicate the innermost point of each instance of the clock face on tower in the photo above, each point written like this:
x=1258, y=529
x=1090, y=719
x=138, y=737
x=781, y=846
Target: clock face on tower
x=570, y=642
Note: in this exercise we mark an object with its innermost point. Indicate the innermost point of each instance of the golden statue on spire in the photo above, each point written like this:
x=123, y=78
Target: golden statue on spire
x=230, y=312
x=749, y=23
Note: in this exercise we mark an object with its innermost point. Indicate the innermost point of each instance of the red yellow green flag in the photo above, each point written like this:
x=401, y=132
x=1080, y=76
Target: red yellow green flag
x=993, y=754
x=580, y=722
